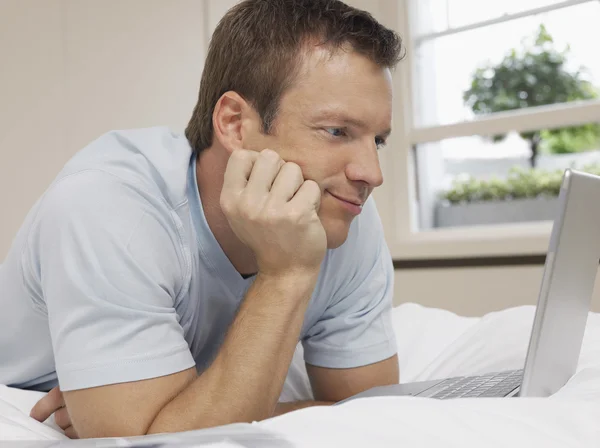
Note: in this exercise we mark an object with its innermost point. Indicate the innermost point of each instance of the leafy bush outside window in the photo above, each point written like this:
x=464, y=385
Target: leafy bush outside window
x=536, y=75
x=520, y=184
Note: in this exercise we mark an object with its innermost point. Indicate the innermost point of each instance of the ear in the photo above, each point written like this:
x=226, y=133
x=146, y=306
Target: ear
x=233, y=121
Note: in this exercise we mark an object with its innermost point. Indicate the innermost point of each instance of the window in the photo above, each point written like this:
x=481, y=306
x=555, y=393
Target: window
x=446, y=61
x=496, y=99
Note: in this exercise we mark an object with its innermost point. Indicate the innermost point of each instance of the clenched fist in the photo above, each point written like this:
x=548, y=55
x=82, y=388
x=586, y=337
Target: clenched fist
x=273, y=210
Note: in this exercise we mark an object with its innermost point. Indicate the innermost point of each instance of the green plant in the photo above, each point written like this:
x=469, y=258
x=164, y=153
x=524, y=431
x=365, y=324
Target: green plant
x=520, y=184
x=571, y=139
x=535, y=76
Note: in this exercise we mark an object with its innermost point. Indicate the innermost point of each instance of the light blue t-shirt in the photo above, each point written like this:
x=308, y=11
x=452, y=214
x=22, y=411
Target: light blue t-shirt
x=115, y=276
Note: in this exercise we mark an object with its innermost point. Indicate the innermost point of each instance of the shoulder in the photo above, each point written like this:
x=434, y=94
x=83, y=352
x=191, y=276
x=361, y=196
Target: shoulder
x=124, y=187
x=155, y=160
x=99, y=200
x=99, y=218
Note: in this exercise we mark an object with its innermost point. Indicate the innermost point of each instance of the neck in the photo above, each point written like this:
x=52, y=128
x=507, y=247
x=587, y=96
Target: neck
x=209, y=172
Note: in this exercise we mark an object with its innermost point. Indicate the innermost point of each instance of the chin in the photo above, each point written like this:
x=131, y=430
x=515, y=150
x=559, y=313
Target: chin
x=336, y=231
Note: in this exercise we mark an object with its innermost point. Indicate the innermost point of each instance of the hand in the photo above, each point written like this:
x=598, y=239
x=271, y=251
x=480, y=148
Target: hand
x=53, y=403
x=273, y=210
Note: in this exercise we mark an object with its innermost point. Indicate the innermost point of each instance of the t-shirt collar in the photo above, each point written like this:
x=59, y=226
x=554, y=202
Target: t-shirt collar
x=210, y=249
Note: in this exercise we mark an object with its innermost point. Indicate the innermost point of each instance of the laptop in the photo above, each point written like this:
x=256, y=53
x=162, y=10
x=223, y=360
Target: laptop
x=561, y=313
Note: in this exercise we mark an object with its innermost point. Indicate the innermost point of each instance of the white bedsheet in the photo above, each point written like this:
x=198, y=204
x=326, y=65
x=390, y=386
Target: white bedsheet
x=432, y=344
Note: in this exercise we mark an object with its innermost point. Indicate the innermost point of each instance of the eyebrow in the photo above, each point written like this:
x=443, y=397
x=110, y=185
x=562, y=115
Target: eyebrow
x=341, y=117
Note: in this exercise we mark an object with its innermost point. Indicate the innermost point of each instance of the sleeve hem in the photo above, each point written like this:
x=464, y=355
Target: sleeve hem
x=125, y=371
x=349, y=358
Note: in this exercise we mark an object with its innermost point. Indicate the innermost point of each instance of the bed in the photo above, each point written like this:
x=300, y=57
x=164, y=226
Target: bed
x=432, y=344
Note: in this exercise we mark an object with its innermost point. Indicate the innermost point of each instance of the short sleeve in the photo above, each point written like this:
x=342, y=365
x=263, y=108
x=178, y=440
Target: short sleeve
x=356, y=328
x=110, y=268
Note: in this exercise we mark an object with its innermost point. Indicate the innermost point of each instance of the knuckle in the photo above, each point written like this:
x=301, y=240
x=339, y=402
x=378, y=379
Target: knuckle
x=312, y=184
x=247, y=216
x=270, y=155
x=247, y=207
x=311, y=187
x=244, y=201
x=242, y=157
x=239, y=154
x=273, y=214
x=294, y=170
x=295, y=214
x=226, y=204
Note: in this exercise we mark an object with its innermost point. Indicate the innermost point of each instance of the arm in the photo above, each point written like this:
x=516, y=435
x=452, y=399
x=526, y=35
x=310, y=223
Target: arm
x=251, y=341
x=352, y=346
x=338, y=384
x=233, y=389
x=332, y=385
x=274, y=212
x=329, y=386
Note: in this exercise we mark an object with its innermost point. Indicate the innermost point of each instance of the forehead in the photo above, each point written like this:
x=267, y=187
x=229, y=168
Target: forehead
x=343, y=81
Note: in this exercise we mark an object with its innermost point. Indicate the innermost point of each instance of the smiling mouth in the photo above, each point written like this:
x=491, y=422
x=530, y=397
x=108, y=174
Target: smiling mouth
x=353, y=206
x=358, y=204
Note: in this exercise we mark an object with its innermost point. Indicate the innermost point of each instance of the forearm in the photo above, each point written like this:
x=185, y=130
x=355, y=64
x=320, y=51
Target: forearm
x=245, y=379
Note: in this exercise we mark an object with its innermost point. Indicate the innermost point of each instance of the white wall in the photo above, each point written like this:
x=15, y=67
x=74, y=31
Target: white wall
x=72, y=69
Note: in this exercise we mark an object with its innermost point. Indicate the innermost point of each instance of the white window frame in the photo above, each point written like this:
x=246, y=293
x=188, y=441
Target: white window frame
x=396, y=198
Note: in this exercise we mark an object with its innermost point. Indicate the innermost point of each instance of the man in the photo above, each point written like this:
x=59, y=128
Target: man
x=164, y=281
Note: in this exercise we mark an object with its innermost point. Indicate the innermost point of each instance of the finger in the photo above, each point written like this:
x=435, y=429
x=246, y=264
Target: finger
x=238, y=170
x=70, y=433
x=47, y=405
x=287, y=182
x=309, y=193
x=62, y=419
x=264, y=172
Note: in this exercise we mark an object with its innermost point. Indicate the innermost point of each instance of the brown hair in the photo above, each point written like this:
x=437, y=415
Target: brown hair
x=255, y=51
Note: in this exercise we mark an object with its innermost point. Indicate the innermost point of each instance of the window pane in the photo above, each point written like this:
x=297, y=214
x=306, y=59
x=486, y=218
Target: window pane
x=537, y=73
x=478, y=181
x=430, y=16
x=468, y=12
x=434, y=16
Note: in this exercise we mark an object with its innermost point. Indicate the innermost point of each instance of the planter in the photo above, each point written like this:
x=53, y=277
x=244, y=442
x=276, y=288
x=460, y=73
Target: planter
x=495, y=212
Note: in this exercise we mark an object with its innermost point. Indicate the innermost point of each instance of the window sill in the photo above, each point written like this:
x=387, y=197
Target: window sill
x=467, y=242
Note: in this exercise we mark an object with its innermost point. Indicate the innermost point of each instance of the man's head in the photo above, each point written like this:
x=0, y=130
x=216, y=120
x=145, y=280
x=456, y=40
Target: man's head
x=309, y=79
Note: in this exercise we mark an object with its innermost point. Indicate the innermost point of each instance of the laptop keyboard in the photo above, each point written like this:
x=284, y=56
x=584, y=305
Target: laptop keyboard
x=491, y=385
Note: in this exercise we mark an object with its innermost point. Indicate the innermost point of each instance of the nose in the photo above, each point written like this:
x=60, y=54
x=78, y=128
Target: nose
x=365, y=166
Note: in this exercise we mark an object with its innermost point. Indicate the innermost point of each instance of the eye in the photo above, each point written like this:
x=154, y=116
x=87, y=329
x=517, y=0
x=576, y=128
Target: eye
x=380, y=142
x=336, y=132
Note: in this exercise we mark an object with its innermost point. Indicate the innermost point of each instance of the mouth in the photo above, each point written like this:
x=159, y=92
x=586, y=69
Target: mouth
x=354, y=206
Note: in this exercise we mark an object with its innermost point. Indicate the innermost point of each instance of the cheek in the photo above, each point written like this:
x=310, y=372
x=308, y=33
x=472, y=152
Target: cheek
x=318, y=164
x=311, y=170
x=318, y=159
